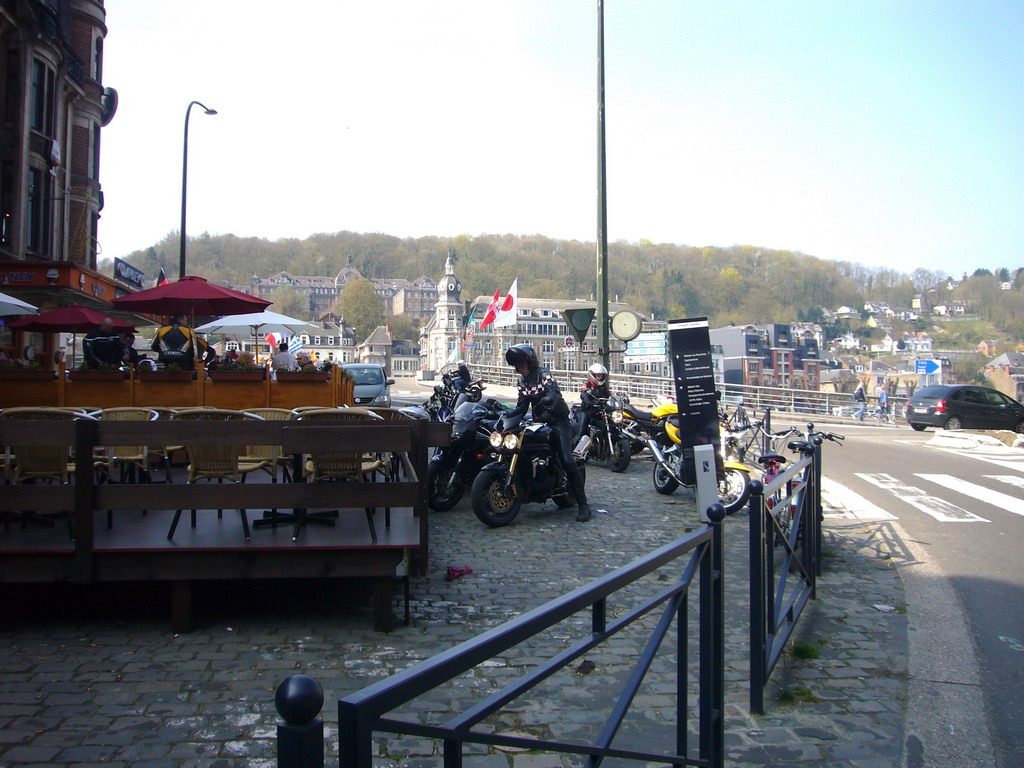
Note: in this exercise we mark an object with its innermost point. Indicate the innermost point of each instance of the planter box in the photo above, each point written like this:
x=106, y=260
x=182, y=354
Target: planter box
x=166, y=375
x=300, y=376
x=99, y=375
x=259, y=375
x=29, y=375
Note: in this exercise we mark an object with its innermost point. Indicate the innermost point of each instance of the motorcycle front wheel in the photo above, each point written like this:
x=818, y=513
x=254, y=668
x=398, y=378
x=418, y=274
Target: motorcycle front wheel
x=734, y=489
x=493, y=504
x=663, y=480
x=444, y=486
x=619, y=460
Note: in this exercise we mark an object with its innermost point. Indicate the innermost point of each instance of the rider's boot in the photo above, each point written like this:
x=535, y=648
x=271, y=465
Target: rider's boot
x=583, y=507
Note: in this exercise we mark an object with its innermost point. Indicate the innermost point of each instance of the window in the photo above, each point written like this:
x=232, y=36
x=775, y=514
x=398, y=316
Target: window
x=42, y=104
x=94, y=155
x=548, y=347
x=38, y=211
x=97, y=60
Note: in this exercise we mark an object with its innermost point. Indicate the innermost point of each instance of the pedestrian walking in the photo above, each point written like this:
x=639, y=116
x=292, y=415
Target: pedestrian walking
x=858, y=397
x=883, y=404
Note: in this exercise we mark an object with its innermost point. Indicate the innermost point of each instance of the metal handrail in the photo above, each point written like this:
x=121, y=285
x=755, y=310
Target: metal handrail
x=363, y=713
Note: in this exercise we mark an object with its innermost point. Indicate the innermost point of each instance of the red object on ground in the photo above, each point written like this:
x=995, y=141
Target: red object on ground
x=454, y=572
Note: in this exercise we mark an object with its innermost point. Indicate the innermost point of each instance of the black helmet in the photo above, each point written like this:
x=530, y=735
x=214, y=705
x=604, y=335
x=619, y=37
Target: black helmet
x=521, y=353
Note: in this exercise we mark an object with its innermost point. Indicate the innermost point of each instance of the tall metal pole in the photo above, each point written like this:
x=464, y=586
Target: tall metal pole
x=602, y=201
x=184, y=181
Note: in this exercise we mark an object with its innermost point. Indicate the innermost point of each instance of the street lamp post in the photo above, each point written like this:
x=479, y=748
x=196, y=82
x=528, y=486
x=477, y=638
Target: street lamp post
x=184, y=181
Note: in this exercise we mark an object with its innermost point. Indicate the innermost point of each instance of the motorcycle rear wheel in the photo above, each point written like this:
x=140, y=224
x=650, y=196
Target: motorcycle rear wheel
x=619, y=460
x=444, y=487
x=492, y=504
x=663, y=480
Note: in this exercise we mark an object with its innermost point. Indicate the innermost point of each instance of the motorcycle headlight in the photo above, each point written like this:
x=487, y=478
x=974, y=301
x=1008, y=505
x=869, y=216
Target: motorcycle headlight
x=511, y=442
x=616, y=417
x=495, y=440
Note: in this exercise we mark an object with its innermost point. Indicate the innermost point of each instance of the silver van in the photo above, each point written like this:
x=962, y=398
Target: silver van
x=371, y=384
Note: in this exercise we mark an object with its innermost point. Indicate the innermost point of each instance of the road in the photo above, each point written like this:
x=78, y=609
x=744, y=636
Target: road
x=963, y=510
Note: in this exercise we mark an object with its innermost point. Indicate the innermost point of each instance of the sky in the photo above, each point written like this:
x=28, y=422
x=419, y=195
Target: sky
x=883, y=132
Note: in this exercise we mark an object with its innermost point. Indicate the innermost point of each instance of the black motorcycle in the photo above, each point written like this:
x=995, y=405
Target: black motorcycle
x=528, y=469
x=446, y=397
x=451, y=470
x=605, y=441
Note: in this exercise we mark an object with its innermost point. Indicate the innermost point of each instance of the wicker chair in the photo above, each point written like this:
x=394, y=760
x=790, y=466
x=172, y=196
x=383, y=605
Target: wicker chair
x=164, y=452
x=211, y=462
x=345, y=467
x=273, y=454
x=29, y=463
x=133, y=460
x=392, y=462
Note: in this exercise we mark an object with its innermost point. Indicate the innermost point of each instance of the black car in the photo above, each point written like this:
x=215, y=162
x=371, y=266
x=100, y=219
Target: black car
x=964, y=406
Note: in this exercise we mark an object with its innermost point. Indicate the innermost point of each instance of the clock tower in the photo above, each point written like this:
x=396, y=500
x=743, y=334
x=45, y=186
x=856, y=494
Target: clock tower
x=446, y=333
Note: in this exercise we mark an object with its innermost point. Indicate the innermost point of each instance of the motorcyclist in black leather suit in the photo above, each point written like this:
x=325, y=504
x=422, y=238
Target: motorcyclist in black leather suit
x=595, y=388
x=539, y=390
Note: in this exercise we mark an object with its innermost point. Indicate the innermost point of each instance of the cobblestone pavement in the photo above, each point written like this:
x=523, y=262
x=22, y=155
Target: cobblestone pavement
x=99, y=680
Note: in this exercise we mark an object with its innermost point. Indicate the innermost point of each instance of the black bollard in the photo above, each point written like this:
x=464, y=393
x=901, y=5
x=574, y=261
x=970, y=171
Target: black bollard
x=300, y=739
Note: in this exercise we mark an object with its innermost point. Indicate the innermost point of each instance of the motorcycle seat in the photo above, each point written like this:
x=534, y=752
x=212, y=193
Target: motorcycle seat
x=639, y=415
x=771, y=457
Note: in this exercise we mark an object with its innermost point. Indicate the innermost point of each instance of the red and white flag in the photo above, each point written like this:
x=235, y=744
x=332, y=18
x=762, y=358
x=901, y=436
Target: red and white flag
x=272, y=341
x=162, y=279
x=507, y=313
x=491, y=313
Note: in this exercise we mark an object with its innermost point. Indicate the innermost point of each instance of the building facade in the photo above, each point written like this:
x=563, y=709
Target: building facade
x=53, y=106
x=769, y=356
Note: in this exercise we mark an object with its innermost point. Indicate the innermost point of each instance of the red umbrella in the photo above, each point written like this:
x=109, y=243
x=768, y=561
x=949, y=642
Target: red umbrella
x=193, y=295
x=70, y=320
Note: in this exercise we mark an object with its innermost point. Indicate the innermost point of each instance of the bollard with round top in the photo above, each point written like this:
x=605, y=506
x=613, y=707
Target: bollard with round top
x=300, y=739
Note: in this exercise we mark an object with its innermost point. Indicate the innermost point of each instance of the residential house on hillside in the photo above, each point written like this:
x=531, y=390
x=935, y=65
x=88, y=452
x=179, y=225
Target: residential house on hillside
x=847, y=313
x=1006, y=373
x=951, y=308
x=768, y=355
x=988, y=347
x=904, y=314
x=879, y=308
x=917, y=342
x=887, y=345
x=848, y=341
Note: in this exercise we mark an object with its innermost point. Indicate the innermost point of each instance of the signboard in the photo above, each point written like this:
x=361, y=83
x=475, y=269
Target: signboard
x=128, y=274
x=647, y=348
x=579, y=321
x=927, y=366
x=694, y=375
x=569, y=343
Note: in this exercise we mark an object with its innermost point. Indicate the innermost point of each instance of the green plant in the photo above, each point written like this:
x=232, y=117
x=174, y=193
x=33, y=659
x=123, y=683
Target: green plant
x=244, y=362
x=20, y=365
x=84, y=366
x=804, y=651
x=798, y=694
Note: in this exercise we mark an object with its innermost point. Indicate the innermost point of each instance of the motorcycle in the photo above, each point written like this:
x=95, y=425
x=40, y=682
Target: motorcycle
x=446, y=398
x=640, y=426
x=452, y=469
x=674, y=466
x=527, y=469
x=605, y=441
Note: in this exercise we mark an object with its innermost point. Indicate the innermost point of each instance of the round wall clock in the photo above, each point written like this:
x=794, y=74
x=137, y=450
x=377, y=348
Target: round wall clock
x=626, y=325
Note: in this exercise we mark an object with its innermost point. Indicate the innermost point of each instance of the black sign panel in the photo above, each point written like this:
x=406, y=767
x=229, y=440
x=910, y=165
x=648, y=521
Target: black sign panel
x=690, y=347
x=128, y=274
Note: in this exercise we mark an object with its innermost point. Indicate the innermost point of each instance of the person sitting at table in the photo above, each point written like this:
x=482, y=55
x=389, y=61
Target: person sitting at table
x=132, y=355
x=284, y=360
x=103, y=346
x=303, y=359
x=175, y=344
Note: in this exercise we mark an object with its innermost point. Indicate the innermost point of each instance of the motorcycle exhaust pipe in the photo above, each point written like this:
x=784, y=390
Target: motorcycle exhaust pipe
x=660, y=458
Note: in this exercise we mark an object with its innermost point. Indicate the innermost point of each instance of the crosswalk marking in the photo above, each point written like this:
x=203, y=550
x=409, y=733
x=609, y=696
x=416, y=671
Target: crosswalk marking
x=998, y=458
x=850, y=504
x=980, y=492
x=942, y=510
x=1015, y=480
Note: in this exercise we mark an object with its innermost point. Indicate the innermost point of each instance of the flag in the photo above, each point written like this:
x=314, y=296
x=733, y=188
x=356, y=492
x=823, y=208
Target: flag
x=506, y=315
x=272, y=341
x=491, y=311
x=162, y=280
x=295, y=344
x=454, y=356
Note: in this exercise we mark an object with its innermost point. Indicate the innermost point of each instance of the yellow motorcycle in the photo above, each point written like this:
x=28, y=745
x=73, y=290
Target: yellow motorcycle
x=674, y=466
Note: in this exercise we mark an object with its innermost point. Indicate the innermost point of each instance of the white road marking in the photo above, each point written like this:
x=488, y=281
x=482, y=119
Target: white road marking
x=991, y=458
x=849, y=504
x=942, y=510
x=980, y=492
x=1015, y=480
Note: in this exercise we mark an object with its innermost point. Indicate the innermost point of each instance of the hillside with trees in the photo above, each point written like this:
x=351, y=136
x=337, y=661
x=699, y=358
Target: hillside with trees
x=726, y=284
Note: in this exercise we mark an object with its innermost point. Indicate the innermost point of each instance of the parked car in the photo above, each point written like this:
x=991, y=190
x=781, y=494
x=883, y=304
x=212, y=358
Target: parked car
x=963, y=406
x=371, y=384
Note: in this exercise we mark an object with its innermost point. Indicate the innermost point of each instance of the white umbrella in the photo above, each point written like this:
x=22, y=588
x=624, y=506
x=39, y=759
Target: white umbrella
x=12, y=306
x=258, y=322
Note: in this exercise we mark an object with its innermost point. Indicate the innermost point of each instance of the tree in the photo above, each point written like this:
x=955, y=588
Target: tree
x=362, y=308
x=288, y=301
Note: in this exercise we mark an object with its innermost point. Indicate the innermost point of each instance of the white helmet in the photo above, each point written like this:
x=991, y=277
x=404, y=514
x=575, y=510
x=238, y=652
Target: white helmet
x=598, y=375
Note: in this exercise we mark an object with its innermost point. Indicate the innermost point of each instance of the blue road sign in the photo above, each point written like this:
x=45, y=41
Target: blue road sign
x=927, y=366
